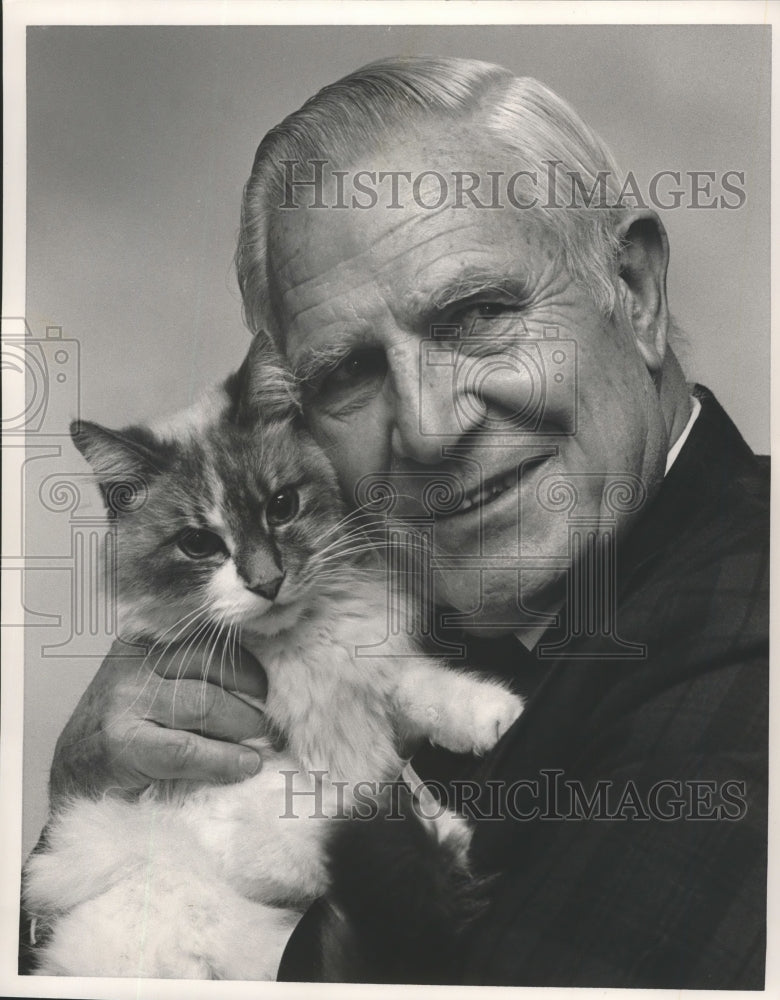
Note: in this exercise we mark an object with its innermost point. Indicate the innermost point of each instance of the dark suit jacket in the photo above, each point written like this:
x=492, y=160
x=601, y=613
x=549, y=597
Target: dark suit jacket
x=664, y=884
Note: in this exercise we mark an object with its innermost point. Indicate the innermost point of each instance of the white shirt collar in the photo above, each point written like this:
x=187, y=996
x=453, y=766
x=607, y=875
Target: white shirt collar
x=531, y=635
x=676, y=448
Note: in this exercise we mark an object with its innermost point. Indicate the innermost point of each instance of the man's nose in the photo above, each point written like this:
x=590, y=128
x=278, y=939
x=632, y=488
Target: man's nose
x=431, y=409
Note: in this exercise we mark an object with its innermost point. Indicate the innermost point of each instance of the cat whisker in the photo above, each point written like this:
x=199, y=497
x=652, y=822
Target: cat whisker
x=232, y=649
x=357, y=522
x=199, y=638
x=161, y=679
x=184, y=636
x=237, y=644
x=220, y=639
x=335, y=581
x=189, y=618
x=356, y=532
x=184, y=622
x=232, y=646
x=374, y=537
x=347, y=550
x=355, y=557
x=337, y=544
x=352, y=515
x=193, y=643
x=212, y=643
x=356, y=518
x=225, y=650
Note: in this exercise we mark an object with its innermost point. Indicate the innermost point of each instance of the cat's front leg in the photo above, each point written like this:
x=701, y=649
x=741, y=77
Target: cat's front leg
x=463, y=712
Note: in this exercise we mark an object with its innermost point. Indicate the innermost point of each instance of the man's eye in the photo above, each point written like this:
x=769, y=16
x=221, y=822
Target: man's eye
x=488, y=310
x=358, y=366
x=471, y=315
x=487, y=321
x=480, y=311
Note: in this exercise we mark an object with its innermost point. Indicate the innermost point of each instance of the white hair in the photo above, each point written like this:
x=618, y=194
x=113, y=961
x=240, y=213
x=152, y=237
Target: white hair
x=380, y=100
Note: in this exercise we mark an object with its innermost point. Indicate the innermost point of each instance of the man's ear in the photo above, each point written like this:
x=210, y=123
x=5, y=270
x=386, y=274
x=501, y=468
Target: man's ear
x=644, y=258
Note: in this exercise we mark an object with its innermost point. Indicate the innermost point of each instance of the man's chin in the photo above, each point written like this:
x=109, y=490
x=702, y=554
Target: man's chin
x=488, y=602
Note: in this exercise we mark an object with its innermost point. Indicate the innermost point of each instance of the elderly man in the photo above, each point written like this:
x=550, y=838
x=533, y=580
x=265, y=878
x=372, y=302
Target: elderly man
x=480, y=323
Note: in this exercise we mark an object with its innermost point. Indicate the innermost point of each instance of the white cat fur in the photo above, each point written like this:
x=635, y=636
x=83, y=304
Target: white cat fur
x=209, y=881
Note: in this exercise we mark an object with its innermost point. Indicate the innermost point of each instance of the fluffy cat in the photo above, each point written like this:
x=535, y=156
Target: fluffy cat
x=241, y=537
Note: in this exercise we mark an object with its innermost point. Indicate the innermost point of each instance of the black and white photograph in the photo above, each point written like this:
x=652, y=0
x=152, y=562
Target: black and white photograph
x=386, y=498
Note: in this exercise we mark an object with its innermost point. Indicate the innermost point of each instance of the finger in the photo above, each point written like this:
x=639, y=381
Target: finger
x=232, y=667
x=160, y=753
x=130, y=651
x=205, y=709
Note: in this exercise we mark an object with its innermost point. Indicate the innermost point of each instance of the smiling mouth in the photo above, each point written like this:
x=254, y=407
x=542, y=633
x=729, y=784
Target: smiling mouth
x=493, y=488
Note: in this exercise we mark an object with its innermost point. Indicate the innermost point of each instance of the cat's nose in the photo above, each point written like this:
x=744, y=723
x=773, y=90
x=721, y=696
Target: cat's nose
x=268, y=588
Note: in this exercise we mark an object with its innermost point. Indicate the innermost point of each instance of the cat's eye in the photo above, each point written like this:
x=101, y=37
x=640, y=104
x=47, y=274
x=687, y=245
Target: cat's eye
x=199, y=543
x=283, y=506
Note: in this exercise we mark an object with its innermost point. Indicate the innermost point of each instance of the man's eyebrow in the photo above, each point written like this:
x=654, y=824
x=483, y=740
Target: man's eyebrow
x=467, y=286
x=316, y=361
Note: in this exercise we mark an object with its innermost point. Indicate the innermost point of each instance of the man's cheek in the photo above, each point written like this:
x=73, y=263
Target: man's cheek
x=355, y=454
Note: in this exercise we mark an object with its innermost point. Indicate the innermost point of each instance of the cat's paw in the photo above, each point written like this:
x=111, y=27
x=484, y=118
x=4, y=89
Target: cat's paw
x=477, y=725
x=493, y=717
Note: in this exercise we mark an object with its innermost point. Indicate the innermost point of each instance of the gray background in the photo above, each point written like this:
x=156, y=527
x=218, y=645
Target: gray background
x=140, y=140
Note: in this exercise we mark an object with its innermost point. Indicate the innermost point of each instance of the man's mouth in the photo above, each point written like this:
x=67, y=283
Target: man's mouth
x=494, y=487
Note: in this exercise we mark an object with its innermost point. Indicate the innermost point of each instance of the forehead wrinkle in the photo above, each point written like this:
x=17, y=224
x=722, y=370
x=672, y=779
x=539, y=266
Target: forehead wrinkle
x=403, y=251
x=418, y=219
x=357, y=279
x=295, y=315
x=362, y=261
x=463, y=277
x=355, y=294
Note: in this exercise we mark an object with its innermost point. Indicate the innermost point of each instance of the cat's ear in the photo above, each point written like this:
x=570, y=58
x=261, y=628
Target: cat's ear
x=264, y=386
x=124, y=462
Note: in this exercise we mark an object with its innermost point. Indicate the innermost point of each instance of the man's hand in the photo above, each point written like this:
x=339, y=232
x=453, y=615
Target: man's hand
x=139, y=721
